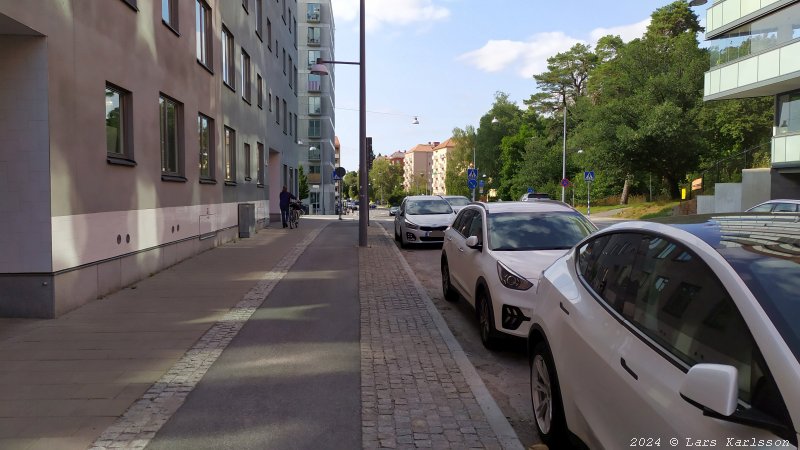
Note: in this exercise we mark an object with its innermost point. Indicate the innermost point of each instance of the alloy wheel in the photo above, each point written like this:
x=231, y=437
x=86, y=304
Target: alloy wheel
x=541, y=394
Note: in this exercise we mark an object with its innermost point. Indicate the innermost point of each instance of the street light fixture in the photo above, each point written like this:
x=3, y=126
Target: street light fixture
x=697, y=2
x=320, y=69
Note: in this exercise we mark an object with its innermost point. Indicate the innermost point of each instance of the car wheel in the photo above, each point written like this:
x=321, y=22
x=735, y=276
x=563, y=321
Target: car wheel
x=403, y=243
x=489, y=336
x=548, y=409
x=449, y=292
x=396, y=234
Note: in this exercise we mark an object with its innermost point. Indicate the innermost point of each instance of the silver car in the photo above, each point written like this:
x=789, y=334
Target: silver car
x=422, y=219
x=457, y=202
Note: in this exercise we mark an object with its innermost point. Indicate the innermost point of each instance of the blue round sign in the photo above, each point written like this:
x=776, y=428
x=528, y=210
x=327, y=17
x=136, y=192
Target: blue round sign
x=472, y=183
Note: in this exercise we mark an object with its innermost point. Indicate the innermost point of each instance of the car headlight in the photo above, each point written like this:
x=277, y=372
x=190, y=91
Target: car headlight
x=411, y=225
x=511, y=280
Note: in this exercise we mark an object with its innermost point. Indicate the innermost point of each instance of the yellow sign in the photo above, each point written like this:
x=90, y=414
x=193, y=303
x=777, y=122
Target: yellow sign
x=697, y=184
x=683, y=193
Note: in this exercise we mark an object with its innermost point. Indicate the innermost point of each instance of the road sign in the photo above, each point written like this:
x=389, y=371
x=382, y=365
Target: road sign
x=472, y=183
x=340, y=171
x=588, y=176
x=472, y=174
x=530, y=190
x=336, y=176
x=480, y=183
x=565, y=182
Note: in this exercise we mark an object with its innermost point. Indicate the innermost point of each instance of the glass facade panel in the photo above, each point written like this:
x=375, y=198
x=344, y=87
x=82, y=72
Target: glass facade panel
x=788, y=119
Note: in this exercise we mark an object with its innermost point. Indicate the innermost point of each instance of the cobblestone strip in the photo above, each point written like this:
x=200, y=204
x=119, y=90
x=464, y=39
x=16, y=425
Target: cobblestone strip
x=413, y=392
x=140, y=423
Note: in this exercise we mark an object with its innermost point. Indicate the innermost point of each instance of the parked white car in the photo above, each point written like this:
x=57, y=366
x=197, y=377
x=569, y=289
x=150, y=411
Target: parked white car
x=494, y=253
x=777, y=206
x=422, y=219
x=457, y=201
x=677, y=335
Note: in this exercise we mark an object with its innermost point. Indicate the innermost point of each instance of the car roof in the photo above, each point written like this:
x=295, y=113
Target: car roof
x=538, y=205
x=454, y=196
x=424, y=197
x=752, y=231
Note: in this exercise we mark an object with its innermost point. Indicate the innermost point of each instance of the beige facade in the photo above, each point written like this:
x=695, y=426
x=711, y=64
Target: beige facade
x=440, y=155
x=418, y=168
x=96, y=195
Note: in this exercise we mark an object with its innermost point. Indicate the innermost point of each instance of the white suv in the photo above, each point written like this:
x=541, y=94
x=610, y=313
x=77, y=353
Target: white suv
x=494, y=253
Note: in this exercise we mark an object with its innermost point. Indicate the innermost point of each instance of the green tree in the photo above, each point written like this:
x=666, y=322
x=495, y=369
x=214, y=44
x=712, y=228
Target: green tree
x=350, y=186
x=302, y=181
x=488, y=152
x=458, y=160
x=385, y=178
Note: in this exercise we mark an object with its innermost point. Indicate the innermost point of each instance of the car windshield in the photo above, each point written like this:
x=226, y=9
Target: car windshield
x=432, y=206
x=519, y=231
x=775, y=282
x=458, y=201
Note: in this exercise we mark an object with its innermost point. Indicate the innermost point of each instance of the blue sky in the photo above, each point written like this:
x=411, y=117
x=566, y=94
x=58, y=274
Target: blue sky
x=443, y=60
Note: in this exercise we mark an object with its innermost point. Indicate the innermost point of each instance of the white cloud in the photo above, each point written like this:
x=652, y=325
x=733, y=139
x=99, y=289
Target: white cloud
x=382, y=13
x=626, y=32
x=529, y=57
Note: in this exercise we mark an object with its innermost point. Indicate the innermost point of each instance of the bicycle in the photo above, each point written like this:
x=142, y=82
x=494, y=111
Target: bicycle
x=295, y=211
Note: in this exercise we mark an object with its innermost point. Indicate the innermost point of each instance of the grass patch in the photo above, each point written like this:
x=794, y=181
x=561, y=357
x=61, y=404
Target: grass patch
x=648, y=210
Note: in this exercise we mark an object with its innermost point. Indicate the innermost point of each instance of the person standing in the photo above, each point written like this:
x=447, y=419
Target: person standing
x=285, y=196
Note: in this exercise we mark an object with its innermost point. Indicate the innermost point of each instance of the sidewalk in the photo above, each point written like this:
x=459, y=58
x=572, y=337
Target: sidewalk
x=113, y=372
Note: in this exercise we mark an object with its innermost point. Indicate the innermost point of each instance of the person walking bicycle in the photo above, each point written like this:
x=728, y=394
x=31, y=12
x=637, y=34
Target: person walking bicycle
x=285, y=197
x=295, y=211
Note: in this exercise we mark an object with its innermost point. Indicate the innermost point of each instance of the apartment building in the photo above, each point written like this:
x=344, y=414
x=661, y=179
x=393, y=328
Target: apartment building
x=186, y=124
x=418, y=167
x=755, y=51
x=440, y=155
x=397, y=157
x=317, y=101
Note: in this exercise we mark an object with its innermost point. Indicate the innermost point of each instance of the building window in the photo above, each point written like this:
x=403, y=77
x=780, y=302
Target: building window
x=314, y=34
x=246, y=77
x=230, y=155
x=285, y=113
x=228, y=65
x=205, y=132
x=314, y=151
x=290, y=20
x=259, y=21
x=260, y=93
x=277, y=110
x=295, y=78
x=284, y=61
x=202, y=32
x=788, y=116
x=119, y=133
x=247, y=162
x=315, y=128
x=313, y=56
x=314, y=82
x=269, y=100
x=169, y=13
x=313, y=168
x=313, y=12
x=261, y=164
x=269, y=34
x=170, y=125
x=290, y=76
x=315, y=105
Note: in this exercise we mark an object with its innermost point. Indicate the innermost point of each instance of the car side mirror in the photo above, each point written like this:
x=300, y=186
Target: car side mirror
x=712, y=386
x=472, y=242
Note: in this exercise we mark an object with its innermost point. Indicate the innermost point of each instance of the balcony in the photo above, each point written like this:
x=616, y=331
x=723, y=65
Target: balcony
x=768, y=73
x=314, y=155
x=313, y=13
x=727, y=14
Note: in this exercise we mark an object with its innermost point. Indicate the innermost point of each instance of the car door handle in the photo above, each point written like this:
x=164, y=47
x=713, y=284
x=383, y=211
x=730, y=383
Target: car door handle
x=628, y=369
x=449, y=238
x=461, y=249
x=561, y=305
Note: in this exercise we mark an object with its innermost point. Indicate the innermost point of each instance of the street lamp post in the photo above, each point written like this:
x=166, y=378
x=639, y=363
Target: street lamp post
x=564, y=153
x=320, y=69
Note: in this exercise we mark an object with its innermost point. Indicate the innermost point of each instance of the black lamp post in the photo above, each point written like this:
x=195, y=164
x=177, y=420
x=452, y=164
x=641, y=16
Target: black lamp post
x=320, y=69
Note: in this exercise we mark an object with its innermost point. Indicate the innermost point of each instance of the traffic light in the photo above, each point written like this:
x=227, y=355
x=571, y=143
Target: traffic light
x=370, y=153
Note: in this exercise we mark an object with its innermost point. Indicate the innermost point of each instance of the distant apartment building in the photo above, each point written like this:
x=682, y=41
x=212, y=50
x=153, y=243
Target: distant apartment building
x=418, y=168
x=397, y=158
x=196, y=119
x=317, y=101
x=440, y=154
x=755, y=51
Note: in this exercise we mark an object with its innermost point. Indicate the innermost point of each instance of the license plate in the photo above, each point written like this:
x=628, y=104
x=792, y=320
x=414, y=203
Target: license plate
x=435, y=234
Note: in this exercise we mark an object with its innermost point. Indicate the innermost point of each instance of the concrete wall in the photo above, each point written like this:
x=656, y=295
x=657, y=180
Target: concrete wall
x=24, y=156
x=705, y=204
x=756, y=186
x=785, y=184
x=728, y=197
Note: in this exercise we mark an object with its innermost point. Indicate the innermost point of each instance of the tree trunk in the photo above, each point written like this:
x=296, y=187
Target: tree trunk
x=623, y=200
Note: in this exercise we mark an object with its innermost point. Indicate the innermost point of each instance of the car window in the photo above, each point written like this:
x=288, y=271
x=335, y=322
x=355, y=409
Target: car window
x=476, y=226
x=536, y=230
x=767, y=207
x=785, y=207
x=463, y=220
x=670, y=295
x=458, y=201
x=433, y=206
